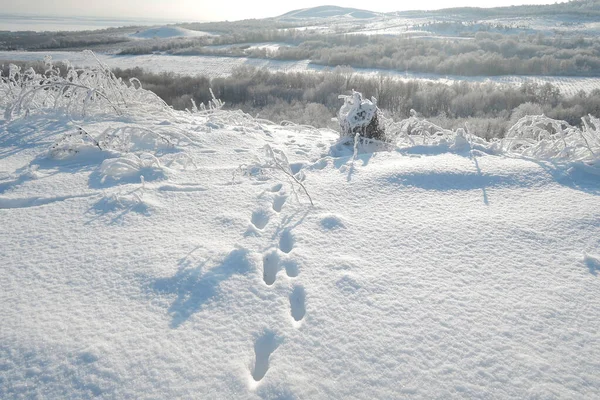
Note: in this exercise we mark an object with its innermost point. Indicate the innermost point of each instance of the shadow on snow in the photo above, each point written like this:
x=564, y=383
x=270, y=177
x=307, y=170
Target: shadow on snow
x=194, y=288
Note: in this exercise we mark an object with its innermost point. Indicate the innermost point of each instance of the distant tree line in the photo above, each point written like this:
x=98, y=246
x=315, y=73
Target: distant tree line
x=487, y=54
x=29, y=40
x=572, y=8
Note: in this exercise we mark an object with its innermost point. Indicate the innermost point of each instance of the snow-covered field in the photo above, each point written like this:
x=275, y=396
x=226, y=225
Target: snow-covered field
x=161, y=254
x=215, y=67
x=40, y=23
x=163, y=32
x=211, y=66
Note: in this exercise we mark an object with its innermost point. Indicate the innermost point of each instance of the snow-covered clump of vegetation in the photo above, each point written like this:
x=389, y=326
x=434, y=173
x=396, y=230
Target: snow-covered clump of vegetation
x=549, y=139
x=534, y=136
x=76, y=93
x=360, y=116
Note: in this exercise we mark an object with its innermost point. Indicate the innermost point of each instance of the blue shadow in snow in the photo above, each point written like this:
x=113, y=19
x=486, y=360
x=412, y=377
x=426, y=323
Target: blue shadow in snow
x=98, y=181
x=573, y=176
x=448, y=180
x=194, y=289
x=5, y=186
x=593, y=265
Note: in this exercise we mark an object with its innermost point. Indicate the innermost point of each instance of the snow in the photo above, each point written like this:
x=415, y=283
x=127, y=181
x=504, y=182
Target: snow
x=211, y=66
x=46, y=23
x=437, y=269
x=328, y=12
x=164, y=32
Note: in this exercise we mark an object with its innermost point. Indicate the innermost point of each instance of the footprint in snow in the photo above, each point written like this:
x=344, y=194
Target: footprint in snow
x=260, y=219
x=278, y=202
x=291, y=268
x=298, y=303
x=331, y=222
x=277, y=187
x=286, y=241
x=264, y=346
x=270, y=267
x=319, y=165
x=296, y=167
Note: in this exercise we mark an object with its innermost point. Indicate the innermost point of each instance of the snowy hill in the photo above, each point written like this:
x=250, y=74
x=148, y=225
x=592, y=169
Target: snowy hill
x=328, y=12
x=148, y=253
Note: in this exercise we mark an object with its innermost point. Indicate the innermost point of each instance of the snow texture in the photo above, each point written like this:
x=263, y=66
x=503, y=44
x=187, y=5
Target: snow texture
x=437, y=266
x=164, y=32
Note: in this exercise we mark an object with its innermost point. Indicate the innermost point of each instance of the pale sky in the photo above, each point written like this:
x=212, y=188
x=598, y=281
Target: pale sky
x=218, y=10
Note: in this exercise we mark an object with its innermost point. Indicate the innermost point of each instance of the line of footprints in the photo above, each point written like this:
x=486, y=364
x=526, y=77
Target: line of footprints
x=273, y=262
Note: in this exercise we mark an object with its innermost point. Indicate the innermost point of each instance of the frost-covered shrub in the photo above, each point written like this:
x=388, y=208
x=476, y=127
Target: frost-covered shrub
x=132, y=168
x=212, y=105
x=362, y=117
x=544, y=138
x=124, y=139
x=78, y=93
x=524, y=110
x=415, y=130
x=275, y=162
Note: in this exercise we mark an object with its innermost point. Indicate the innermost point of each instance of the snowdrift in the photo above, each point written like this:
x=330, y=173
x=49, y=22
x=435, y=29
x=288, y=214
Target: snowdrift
x=152, y=253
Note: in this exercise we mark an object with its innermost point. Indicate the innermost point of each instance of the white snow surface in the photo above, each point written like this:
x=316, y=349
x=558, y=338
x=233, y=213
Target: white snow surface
x=168, y=32
x=421, y=271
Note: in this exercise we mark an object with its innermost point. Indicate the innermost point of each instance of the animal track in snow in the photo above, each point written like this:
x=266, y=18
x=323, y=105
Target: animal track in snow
x=331, y=222
x=286, y=241
x=278, y=202
x=260, y=218
x=291, y=268
x=296, y=167
x=298, y=303
x=264, y=346
x=277, y=188
x=270, y=267
x=319, y=165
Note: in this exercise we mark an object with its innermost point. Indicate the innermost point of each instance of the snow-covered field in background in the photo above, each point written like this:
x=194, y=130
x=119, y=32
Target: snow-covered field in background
x=164, y=254
x=269, y=46
x=10, y=22
x=186, y=65
x=164, y=32
x=215, y=67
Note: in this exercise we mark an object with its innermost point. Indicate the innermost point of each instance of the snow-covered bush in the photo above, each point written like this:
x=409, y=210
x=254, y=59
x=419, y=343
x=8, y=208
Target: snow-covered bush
x=362, y=117
x=541, y=137
x=275, y=162
x=132, y=168
x=123, y=139
x=77, y=94
x=415, y=130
